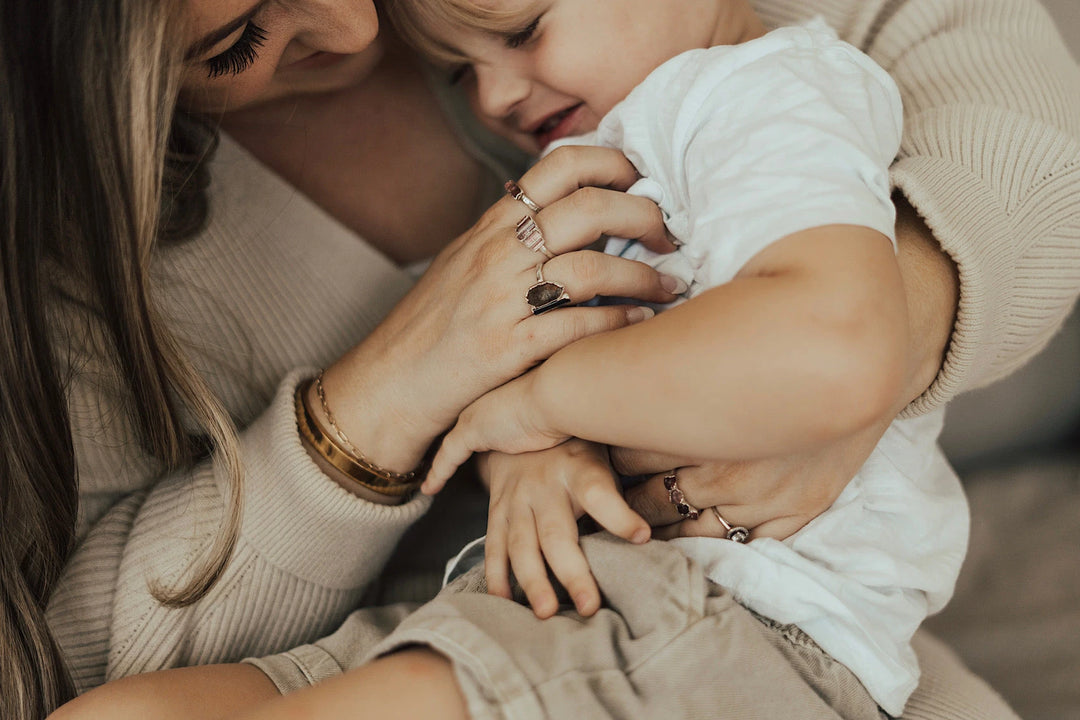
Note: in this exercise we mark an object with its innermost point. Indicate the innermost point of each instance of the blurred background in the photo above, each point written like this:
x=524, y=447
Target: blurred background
x=1015, y=618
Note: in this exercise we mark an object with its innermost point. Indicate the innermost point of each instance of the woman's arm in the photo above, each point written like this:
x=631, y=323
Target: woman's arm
x=805, y=346
x=989, y=160
x=307, y=548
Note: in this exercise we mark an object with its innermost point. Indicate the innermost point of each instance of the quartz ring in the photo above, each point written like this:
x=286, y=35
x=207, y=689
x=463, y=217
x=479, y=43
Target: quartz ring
x=514, y=190
x=675, y=495
x=529, y=235
x=737, y=533
x=546, y=295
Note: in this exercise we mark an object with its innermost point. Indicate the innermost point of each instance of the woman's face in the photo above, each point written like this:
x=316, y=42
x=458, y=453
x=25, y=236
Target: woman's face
x=242, y=53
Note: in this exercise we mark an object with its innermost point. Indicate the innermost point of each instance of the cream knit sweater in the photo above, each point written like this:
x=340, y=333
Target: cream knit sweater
x=275, y=287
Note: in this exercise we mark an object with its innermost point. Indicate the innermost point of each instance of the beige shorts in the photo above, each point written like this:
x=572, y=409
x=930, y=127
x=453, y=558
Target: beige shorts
x=667, y=644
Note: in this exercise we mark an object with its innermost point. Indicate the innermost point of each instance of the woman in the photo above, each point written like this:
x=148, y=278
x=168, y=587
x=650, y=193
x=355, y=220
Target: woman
x=421, y=385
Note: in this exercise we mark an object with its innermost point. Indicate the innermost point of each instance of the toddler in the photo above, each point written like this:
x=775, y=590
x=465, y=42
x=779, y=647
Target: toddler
x=768, y=153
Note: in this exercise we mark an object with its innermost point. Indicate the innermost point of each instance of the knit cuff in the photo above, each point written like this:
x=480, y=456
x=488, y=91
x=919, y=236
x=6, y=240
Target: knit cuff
x=1017, y=282
x=302, y=522
x=296, y=669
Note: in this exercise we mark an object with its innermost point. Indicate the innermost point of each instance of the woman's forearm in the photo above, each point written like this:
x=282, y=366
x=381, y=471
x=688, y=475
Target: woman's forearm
x=774, y=362
x=932, y=289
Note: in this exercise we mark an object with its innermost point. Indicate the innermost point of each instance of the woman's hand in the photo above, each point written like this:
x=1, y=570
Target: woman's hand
x=536, y=500
x=466, y=327
x=772, y=497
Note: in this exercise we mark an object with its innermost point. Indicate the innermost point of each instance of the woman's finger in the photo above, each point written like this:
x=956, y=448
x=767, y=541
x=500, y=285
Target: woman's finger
x=701, y=488
x=539, y=338
x=707, y=525
x=523, y=545
x=569, y=168
x=590, y=213
x=587, y=273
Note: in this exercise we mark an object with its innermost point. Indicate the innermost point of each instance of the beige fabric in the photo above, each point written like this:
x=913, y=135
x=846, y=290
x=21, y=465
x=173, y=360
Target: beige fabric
x=630, y=664
x=989, y=158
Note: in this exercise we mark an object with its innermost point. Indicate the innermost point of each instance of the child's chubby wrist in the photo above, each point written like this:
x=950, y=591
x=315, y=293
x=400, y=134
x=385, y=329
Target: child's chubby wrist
x=542, y=395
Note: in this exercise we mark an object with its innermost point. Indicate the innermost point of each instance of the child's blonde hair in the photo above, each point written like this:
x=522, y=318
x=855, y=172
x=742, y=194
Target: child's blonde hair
x=426, y=24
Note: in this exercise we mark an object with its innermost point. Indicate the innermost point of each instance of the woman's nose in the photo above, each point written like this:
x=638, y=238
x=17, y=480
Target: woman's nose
x=339, y=26
x=500, y=89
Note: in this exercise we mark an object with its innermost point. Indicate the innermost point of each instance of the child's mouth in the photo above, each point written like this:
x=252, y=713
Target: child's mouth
x=559, y=125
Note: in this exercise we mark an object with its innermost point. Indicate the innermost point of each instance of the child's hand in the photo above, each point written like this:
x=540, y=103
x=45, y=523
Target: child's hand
x=507, y=419
x=536, y=499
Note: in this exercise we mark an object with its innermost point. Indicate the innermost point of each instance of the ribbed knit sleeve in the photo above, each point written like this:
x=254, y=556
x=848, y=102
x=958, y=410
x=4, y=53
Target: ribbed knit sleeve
x=307, y=550
x=273, y=289
x=990, y=159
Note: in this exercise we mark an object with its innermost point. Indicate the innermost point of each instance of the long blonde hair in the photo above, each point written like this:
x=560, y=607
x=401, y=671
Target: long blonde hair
x=95, y=168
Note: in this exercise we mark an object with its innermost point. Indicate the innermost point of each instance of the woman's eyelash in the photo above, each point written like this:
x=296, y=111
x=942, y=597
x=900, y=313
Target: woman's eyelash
x=241, y=55
x=523, y=36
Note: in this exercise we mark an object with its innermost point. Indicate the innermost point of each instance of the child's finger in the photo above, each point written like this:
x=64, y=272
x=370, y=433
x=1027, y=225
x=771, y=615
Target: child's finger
x=558, y=533
x=452, y=454
x=528, y=564
x=496, y=559
x=601, y=500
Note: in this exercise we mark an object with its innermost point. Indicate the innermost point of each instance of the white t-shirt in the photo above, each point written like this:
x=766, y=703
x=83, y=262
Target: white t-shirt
x=741, y=146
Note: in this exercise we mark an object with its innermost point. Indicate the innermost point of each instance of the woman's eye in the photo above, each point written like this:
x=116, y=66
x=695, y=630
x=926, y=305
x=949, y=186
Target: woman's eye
x=241, y=55
x=523, y=36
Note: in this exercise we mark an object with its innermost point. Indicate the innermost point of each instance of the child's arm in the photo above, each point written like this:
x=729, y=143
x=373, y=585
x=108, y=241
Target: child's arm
x=536, y=500
x=806, y=345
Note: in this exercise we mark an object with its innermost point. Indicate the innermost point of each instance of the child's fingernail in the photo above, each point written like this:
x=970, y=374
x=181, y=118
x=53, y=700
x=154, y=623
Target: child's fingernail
x=641, y=536
x=637, y=313
x=674, y=285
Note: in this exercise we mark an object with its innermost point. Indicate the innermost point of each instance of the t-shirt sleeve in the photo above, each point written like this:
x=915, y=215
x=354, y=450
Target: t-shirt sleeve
x=756, y=142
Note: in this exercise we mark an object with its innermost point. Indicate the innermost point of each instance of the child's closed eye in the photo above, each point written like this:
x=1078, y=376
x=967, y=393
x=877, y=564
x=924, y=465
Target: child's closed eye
x=521, y=37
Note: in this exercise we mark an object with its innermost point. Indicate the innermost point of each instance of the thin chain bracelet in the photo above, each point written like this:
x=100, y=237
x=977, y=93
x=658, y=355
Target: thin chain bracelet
x=390, y=474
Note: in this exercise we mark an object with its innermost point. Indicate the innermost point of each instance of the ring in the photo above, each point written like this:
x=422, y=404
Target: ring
x=675, y=495
x=514, y=190
x=545, y=295
x=737, y=534
x=529, y=235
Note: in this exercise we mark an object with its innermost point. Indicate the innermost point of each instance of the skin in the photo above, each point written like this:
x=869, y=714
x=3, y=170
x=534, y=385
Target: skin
x=575, y=59
x=253, y=111
x=518, y=79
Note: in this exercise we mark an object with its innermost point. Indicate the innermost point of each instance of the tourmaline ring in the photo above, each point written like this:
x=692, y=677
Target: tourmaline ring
x=546, y=295
x=737, y=533
x=529, y=235
x=675, y=495
x=514, y=190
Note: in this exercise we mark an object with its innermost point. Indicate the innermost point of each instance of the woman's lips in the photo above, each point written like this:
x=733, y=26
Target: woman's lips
x=565, y=124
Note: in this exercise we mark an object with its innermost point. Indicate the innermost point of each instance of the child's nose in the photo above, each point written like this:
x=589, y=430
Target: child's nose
x=500, y=90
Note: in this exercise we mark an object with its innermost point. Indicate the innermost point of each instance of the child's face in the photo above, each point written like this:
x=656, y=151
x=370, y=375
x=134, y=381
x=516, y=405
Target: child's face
x=568, y=62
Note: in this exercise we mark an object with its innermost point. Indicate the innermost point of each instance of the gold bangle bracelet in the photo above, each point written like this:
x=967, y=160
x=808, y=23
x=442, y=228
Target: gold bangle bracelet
x=365, y=474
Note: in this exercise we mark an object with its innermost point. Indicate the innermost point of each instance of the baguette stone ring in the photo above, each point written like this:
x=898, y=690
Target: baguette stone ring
x=514, y=190
x=546, y=295
x=737, y=533
x=529, y=235
x=676, y=497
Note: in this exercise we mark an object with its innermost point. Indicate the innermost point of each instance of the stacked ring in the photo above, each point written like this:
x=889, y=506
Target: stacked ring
x=514, y=190
x=529, y=235
x=546, y=295
x=737, y=533
x=676, y=497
